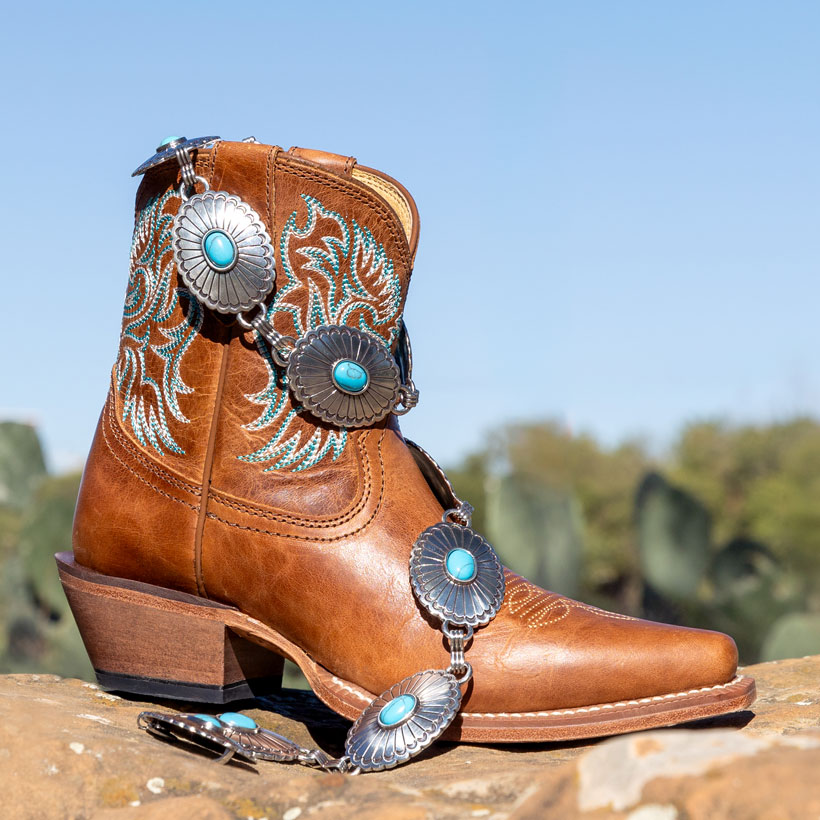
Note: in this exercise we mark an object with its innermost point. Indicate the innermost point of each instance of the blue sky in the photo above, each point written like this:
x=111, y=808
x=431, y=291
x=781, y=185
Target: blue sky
x=619, y=201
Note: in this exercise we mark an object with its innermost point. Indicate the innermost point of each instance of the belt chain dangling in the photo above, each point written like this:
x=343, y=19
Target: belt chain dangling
x=225, y=257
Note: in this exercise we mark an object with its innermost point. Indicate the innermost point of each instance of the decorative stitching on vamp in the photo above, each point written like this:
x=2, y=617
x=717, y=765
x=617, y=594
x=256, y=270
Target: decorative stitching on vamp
x=534, y=606
x=602, y=612
x=303, y=537
x=537, y=607
x=286, y=518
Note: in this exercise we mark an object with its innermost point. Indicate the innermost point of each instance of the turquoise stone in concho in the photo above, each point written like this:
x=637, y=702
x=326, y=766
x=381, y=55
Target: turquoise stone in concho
x=350, y=377
x=219, y=249
x=237, y=720
x=456, y=575
x=168, y=141
x=460, y=565
x=209, y=719
x=397, y=710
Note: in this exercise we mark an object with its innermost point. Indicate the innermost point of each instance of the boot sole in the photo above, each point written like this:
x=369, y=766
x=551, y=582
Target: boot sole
x=155, y=642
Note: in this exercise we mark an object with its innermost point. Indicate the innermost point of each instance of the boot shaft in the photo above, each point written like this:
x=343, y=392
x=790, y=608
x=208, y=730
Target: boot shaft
x=199, y=413
x=343, y=256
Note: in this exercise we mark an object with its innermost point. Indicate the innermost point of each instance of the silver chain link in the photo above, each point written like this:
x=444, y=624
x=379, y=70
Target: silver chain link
x=281, y=346
x=188, y=173
x=463, y=514
x=458, y=637
x=317, y=759
x=408, y=398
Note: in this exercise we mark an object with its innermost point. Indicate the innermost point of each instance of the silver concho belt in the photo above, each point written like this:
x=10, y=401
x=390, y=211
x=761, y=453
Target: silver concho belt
x=347, y=378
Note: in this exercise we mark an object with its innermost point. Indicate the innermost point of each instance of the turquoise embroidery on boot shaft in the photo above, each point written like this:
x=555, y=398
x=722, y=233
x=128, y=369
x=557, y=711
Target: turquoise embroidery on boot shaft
x=347, y=274
x=147, y=371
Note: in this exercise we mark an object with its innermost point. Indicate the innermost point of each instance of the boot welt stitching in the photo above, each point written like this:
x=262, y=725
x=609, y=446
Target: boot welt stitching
x=617, y=705
x=339, y=682
x=577, y=710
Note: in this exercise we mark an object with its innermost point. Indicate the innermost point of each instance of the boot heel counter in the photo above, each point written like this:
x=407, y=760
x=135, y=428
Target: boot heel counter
x=133, y=519
x=85, y=527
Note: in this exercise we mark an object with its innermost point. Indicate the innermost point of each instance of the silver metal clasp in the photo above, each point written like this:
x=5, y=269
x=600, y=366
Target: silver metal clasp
x=463, y=514
x=167, y=151
x=281, y=346
x=408, y=393
x=317, y=759
x=458, y=637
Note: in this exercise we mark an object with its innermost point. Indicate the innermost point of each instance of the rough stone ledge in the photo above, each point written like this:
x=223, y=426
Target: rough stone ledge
x=69, y=750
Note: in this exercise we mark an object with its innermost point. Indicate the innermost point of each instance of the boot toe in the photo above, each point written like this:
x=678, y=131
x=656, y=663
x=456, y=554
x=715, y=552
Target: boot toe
x=562, y=654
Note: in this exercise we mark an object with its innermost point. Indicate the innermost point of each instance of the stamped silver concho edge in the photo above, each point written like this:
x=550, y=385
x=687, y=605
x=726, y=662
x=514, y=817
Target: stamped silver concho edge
x=324, y=346
x=251, y=276
x=372, y=747
x=434, y=595
x=192, y=726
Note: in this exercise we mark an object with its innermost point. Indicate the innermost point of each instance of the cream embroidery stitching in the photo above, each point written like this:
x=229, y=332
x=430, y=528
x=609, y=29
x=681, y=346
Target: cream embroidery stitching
x=537, y=607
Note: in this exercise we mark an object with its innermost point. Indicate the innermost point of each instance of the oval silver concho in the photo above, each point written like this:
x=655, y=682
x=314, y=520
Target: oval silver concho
x=471, y=602
x=371, y=745
x=205, y=732
x=244, y=273
x=251, y=743
x=343, y=376
x=263, y=744
x=168, y=151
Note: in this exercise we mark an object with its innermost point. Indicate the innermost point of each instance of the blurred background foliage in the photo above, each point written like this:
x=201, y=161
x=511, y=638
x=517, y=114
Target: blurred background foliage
x=722, y=532
x=37, y=632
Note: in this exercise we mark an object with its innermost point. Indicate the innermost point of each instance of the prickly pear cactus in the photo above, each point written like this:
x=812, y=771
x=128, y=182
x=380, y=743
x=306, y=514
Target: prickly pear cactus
x=22, y=466
x=537, y=532
x=750, y=589
x=792, y=636
x=673, y=530
x=39, y=632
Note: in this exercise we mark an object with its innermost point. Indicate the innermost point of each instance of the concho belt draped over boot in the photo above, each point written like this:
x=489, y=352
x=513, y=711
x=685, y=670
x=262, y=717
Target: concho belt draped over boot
x=347, y=378
x=249, y=488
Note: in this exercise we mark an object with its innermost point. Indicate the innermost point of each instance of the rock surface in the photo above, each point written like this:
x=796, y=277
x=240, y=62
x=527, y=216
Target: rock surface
x=69, y=750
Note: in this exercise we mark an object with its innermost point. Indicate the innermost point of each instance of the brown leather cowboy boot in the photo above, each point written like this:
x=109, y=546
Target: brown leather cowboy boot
x=249, y=496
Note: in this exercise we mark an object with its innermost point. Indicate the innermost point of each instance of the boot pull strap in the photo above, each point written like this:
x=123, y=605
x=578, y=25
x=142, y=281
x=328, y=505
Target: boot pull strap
x=333, y=162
